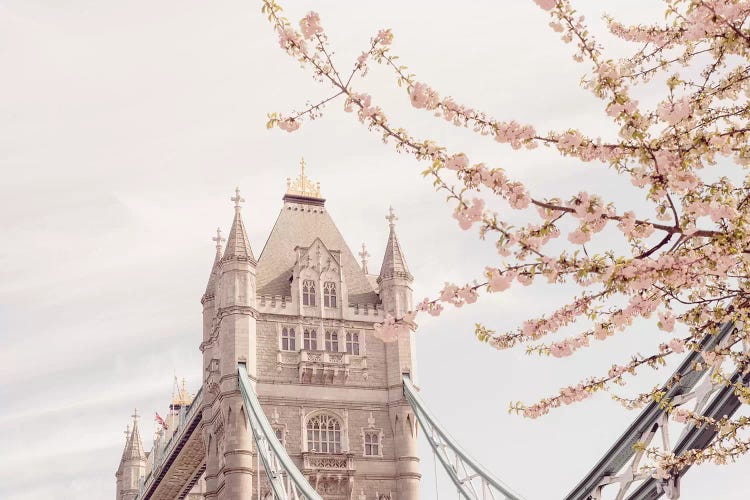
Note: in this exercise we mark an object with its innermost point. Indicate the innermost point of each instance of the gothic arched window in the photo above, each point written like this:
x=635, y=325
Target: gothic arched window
x=310, y=339
x=288, y=339
x=332, y=341
x=324, y=434
x=308, y=293
x=329, y=294
x=352, y=343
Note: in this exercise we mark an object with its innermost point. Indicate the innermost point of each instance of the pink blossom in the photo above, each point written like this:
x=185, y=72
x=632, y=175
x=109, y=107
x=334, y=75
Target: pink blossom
x=561, y=350
x=601, y=332
x=435, y=309
x=468, y=294
x=666, y=321
x=423, y=97
x=546, y=4
x=675, y=112
x=466, y=217
x=457, y=162
x=289, y=124
x=615, y=109
x=579, y=236
x=677, y=345
x=570, y=140
x=310, y=25
x=499, y=281
x=384, y=37
x=288, y=39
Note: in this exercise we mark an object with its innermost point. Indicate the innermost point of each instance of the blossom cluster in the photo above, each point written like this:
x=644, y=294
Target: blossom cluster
x=687, y=267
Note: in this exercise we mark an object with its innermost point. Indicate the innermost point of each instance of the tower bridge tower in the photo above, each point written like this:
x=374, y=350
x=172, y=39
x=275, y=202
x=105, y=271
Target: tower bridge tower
x=301, y=317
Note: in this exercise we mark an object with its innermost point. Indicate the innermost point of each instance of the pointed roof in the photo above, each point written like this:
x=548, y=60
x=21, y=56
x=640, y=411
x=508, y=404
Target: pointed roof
x=303, y=219
x=394, y=263
x=238, y=246
x=211, y=286
x=133, y=445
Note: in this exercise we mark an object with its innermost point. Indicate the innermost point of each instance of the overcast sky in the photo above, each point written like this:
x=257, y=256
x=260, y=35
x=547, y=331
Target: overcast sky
x=124, y=128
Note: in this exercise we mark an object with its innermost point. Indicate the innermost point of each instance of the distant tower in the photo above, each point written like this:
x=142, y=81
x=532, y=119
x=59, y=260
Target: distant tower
x=229, y=333
x=395, y=291
x=132, y=464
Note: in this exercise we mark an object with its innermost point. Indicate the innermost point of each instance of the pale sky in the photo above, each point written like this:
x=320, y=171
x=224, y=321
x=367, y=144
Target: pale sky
x=124, y=128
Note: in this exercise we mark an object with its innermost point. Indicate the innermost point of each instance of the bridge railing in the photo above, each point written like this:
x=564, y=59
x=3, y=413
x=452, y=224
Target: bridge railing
x=472, y=480
x=620, y=470
x=165, y=451
x=287, y=482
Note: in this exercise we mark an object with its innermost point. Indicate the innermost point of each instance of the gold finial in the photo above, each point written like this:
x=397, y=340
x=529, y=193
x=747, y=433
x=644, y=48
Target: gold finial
x=181, y=396
x=302, y=185
x=391, y=217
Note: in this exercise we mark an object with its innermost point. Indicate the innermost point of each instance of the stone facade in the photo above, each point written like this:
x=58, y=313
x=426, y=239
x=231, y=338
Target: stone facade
x=301, y=317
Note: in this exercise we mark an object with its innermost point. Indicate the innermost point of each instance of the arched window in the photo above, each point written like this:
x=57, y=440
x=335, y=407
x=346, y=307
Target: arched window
x=310, y=339
x=329, y=294
x=372, y=444
x=308, y=293
x=324, y=434
x=288, y=339
x=352, y=343
x=332, y=341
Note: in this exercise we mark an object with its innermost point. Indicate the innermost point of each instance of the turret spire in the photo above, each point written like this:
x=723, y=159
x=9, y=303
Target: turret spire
x=363, y=255
x=219, y=239
x=238, y=246
x=133, y=445
x=394, y=263
x=211, y=286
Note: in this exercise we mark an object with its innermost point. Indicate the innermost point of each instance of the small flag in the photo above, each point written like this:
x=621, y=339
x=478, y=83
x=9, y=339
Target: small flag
x=161, y=421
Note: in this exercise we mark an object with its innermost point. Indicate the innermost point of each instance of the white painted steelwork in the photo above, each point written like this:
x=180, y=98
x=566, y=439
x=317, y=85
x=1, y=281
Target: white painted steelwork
x=473, y=481
x=287, y=482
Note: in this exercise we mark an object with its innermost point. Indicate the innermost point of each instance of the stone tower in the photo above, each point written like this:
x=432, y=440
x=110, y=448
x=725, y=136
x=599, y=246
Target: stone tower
x=396, y=296
x=302, y=318
x=229, y=337
x=132, y=464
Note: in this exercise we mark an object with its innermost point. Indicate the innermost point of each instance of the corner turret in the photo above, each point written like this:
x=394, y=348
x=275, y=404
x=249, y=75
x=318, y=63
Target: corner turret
x=231, y=338
x=132, y=464
x=396, y=295
x=395, y=279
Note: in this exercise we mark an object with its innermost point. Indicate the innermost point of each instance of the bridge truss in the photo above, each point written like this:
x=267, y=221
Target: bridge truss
x=287, y=482
x=620, y=474
x=472, y=480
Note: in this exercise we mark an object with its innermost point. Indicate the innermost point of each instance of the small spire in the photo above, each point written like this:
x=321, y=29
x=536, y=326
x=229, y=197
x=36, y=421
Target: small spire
x=238, y=246
x=219, y=239
x=363, y=255
x=394, y=263
x=127, y=433
x=133, y=446
x=211, y=286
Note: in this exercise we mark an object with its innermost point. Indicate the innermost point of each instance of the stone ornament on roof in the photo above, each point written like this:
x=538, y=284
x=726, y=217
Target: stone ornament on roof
x=302, y=185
